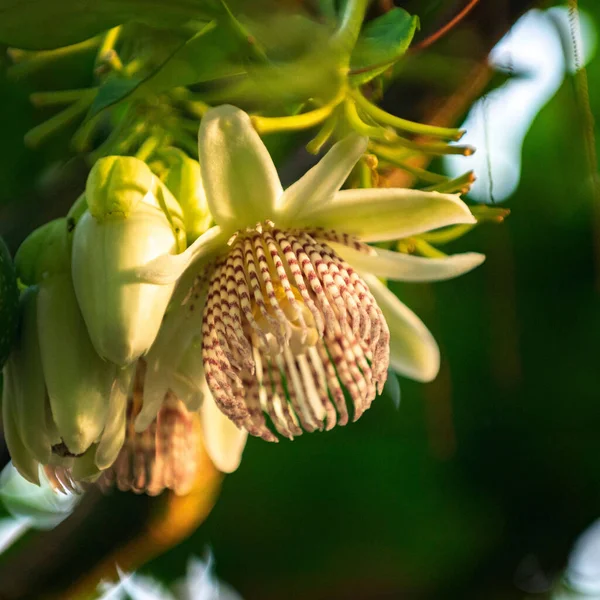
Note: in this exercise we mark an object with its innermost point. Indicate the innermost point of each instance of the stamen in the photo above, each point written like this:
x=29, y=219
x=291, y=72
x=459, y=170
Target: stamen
x=163, y=456
x=287, y=323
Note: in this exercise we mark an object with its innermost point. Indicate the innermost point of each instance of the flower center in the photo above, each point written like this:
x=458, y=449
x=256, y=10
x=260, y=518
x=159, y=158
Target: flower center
x=286, y=320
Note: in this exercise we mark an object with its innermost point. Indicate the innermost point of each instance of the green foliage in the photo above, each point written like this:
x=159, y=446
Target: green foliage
x=9, y=302
x=26, y=23
x=209, y=54
x=382, y=42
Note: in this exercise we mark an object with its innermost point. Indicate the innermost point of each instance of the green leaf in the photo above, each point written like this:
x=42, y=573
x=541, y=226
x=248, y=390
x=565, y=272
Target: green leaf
x=210, y=54
x=25, y=23
x=382, y=42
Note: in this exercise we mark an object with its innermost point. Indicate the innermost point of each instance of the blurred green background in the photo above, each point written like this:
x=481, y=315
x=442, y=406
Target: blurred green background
x=478, y=485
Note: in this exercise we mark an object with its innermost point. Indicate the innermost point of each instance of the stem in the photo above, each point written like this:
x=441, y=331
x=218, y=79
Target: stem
x=108, y=44
x=121, y=139
x=426, y=249
x=132, y=67
x=173, y=520
x=296, y=122
x=80, y=141
x=197, y=107
x=60, y=97
x=365, y=175
x=435, y=148
x=492, y=214
x=388, y=154
x=34, y=137
x=187, y=141
x=460, y=184
x=148, y=146
x=410, y=126
x=42, y=59
x=446, y=28
x=447, y=235
x=373, y=131
x=327, y=129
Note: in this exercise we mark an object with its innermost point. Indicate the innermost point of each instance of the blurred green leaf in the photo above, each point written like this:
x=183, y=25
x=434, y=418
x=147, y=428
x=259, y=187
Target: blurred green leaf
x=381, y=43
x=210, y=54
x=25, y=23
x=9, y=302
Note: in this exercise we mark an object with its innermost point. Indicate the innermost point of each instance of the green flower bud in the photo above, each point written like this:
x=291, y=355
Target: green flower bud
x=31, y=400
x=182, y=177
x=175, y=360
x=64, y=407
x=75, y=213
x=33, y=254
x=131, y=219
x=22, y=459
x=78, y=381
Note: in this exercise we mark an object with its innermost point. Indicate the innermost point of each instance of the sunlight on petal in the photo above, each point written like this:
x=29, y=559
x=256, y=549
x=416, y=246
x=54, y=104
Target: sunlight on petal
x=375, y=215
x=169, y=267
x=224, y=441
x=240, y=179
x=414, y=352
x=406, y=267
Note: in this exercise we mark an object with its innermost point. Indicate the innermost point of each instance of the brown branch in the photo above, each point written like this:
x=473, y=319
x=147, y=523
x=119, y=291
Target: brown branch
x=434, y=37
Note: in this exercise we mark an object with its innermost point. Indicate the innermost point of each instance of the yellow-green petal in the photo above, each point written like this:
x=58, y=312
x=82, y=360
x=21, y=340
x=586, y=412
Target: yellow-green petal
x=413, y=350
x=30, y=408
x=168, y=268
x=379, y=214
x=77, y=379
x=21, y=458
x=406, y=267
x=223, y=441
x=241, y=182
x=113, y=435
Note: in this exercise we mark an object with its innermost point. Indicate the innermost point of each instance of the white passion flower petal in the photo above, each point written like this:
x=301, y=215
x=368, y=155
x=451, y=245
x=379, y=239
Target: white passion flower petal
x=224, y=442
x=240, y=180
x=406, y=267
x=380, y=214
x=318, y=186
x=131, y=220
x=175, y=339
x=413, y=350
x=168, y=268
x=113, y=435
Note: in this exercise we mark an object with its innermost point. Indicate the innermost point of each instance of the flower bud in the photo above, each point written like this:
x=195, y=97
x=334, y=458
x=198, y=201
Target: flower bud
x=131, y=219
x=78, y=381
x=30, y=398
x=182, y=177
